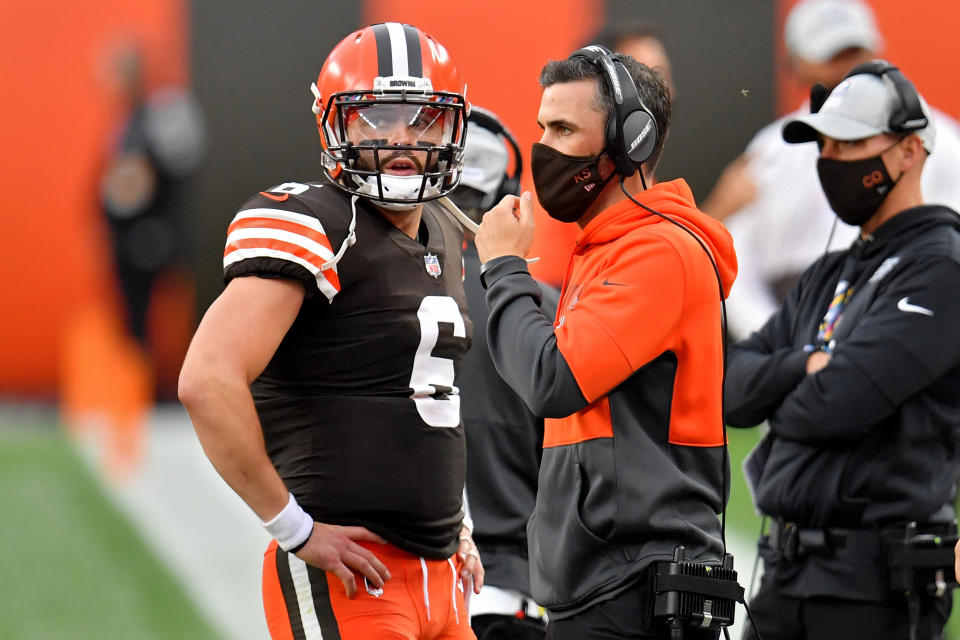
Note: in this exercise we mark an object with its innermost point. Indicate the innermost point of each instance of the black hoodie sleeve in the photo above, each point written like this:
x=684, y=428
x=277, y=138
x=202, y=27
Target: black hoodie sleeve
x=522, y=343
x=908, y=337
x=764, y=368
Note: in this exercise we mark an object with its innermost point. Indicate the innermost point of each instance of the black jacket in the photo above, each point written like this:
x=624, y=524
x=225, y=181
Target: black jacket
x=873, y=439
x=504, y=445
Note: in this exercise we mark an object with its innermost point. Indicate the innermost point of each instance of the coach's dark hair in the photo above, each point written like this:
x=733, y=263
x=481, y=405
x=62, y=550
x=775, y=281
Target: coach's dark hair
x=650, y=85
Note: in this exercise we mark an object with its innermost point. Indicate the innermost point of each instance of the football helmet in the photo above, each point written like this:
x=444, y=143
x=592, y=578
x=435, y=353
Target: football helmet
x=391, y=111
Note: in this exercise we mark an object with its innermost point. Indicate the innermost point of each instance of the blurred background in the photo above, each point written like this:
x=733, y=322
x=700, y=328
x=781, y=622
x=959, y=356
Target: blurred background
x=132, y=131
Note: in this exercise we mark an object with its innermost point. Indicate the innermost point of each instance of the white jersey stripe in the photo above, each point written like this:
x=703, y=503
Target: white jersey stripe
x=323, y=284
x=301, y=584
x=277, y=214
x=257, y=233
x=398, y=46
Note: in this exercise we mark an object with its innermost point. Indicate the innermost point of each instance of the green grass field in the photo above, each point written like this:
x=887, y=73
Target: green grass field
x=72, y=566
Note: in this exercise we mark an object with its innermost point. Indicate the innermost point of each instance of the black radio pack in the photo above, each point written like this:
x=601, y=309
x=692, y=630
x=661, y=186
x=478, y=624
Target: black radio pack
x=695, y=594
x=921, y=563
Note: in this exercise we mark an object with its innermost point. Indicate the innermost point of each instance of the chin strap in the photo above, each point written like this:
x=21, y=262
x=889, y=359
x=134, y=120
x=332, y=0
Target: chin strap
x=349, y=240
x=458, y=216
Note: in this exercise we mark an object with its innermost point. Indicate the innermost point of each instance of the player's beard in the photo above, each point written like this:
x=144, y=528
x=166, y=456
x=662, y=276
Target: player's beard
x=367, y=162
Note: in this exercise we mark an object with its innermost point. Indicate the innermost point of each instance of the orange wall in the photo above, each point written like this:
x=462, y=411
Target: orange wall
x=54, y=119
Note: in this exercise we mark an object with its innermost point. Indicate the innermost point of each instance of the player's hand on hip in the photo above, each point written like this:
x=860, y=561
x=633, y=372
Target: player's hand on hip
x=333, y=548
x=472, y=566
x=507, y=229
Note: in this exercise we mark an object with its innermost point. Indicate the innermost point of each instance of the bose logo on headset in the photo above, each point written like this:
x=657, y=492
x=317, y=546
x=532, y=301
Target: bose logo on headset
x=640, y=137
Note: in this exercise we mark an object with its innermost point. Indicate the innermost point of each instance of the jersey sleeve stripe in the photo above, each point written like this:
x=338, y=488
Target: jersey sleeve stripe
x=283, y=225
x=327, y=281
x=279, y=214
x=269, y=236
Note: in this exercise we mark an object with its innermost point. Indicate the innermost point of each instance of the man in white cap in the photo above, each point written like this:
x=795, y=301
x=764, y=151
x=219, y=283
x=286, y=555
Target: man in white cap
x=769, y=197
x=857, y=375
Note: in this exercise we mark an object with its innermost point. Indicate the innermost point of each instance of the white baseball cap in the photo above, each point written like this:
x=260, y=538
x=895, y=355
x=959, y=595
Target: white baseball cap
x=817, y=30
x=859, y=107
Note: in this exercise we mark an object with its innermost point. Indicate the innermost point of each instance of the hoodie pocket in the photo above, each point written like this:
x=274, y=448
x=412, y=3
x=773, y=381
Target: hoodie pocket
x=568, y=562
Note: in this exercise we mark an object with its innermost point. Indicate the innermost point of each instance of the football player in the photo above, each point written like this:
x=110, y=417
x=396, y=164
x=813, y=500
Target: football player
x=322, y=383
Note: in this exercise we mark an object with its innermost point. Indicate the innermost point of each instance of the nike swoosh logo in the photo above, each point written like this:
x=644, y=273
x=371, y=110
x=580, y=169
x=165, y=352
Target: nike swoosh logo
x=607, y=283
x=904, y=305
x=273, y=197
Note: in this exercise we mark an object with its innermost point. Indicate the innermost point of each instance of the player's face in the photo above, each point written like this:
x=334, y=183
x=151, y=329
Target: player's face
x=570, y=120
x=388, y=125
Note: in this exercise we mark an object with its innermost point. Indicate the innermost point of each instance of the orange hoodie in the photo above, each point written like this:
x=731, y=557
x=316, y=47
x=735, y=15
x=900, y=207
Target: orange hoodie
x=673, y=305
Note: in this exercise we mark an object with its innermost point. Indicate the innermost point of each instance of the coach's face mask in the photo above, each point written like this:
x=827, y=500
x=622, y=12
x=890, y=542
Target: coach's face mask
x=566, y=185
x=855, y=189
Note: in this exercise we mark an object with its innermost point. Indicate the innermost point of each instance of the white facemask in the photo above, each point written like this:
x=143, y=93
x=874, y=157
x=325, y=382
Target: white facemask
x=396, y=187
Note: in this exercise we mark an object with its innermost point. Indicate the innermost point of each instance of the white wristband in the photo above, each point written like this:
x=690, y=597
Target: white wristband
x=291, y=527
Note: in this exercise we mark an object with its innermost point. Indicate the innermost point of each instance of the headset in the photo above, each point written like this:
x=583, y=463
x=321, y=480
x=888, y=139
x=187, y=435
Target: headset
x=510, y=183
x=907, y=118
x=631, y=129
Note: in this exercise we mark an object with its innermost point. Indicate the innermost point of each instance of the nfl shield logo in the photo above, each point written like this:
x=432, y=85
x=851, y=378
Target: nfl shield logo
x=433, y=265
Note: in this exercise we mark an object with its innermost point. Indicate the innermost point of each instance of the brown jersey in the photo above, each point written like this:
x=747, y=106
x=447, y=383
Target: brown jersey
x=359, y=405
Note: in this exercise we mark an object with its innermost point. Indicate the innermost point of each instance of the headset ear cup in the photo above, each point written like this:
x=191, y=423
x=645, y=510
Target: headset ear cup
x=818, y=95
x=639, y=136
x=616, y=151
x=611, y=143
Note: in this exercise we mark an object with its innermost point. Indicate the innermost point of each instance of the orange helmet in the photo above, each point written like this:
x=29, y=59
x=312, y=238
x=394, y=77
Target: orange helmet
x=391, y=111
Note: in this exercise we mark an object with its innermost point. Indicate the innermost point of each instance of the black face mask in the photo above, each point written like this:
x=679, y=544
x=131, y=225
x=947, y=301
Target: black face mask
x=855, y=189
x=566, y=185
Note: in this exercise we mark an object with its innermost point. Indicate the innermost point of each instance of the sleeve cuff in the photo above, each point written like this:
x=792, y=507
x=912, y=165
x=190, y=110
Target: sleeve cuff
x=493, y=270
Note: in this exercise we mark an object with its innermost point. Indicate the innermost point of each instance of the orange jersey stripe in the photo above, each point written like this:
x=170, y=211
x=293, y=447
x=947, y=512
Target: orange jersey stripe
x=281, y=225
x=287, y=247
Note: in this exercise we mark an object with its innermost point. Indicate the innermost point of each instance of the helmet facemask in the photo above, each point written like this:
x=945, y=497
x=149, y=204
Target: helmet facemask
x=400, y=144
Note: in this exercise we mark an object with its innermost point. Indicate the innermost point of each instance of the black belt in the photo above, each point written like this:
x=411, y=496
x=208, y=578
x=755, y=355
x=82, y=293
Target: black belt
x=791, y=541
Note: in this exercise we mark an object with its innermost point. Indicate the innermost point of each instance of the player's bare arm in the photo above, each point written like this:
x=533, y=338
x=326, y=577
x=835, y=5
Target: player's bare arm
x=233, y=344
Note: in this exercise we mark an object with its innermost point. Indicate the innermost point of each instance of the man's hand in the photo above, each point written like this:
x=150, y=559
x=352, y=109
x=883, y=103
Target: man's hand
x=470, y=557
x=332, y=548
x=507, y=229
x=817, y=360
